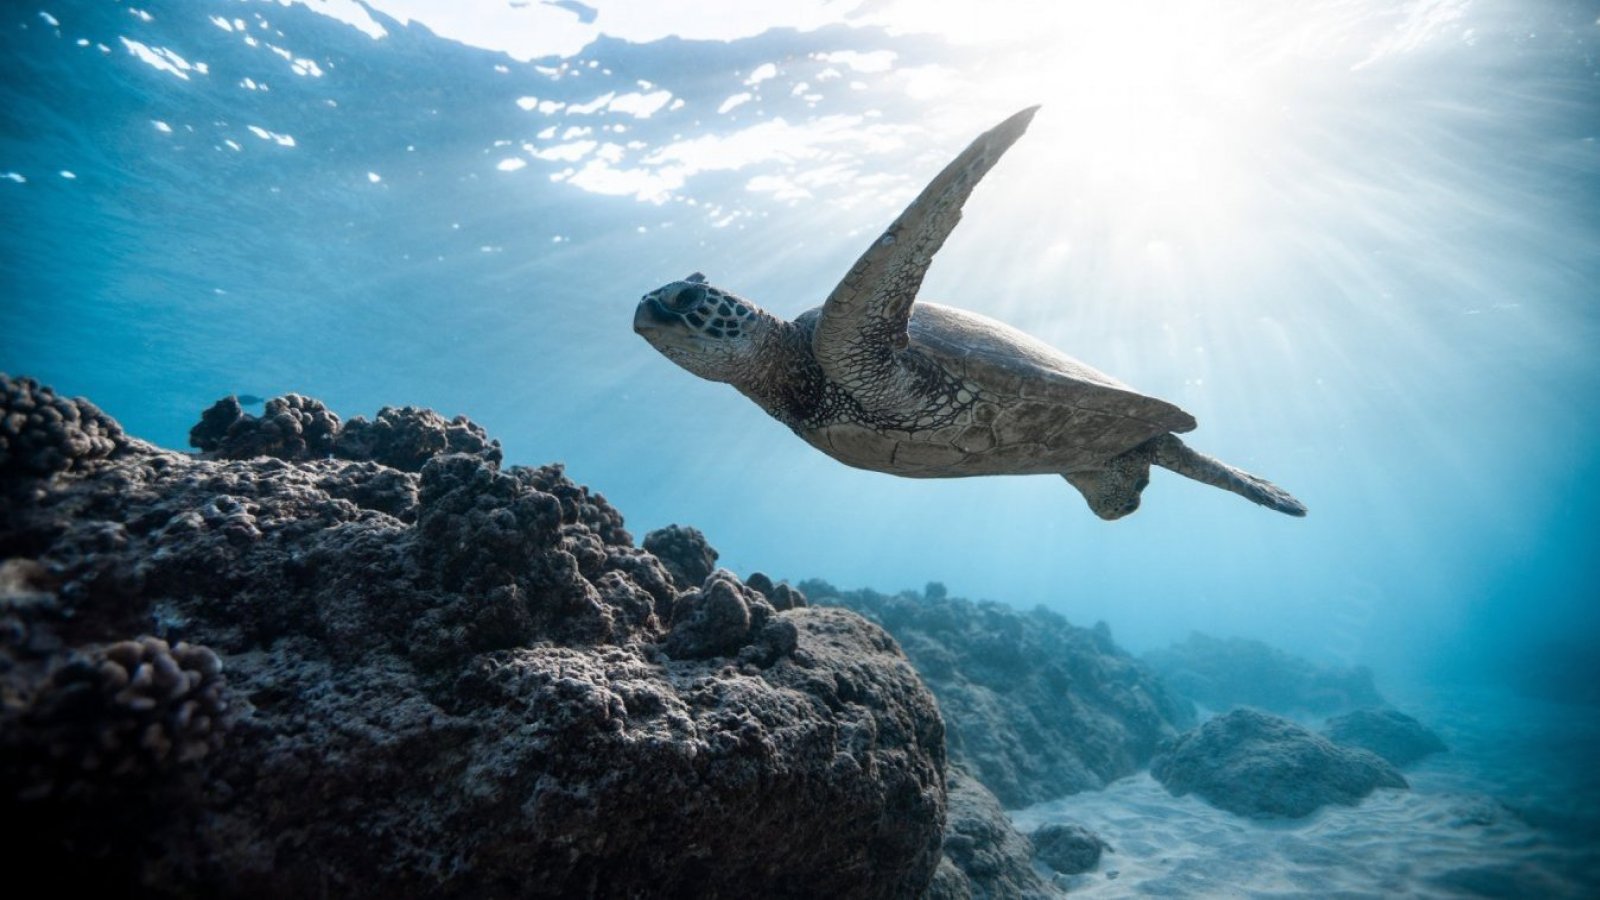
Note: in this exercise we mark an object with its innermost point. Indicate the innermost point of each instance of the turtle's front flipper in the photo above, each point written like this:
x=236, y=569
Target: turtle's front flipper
x=1173, y=454
x=864, y=320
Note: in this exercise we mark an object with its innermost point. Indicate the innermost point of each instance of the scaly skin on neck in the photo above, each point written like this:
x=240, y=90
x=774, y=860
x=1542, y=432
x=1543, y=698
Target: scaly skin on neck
x=785, y=379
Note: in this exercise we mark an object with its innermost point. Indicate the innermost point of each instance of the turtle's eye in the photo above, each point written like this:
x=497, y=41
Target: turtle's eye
x=686, y=299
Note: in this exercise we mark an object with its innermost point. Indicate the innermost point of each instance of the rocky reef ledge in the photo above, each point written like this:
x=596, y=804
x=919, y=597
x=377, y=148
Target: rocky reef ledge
x=1034, y=707
x=1221, y=674
x=1260, y=766
x=364, y=659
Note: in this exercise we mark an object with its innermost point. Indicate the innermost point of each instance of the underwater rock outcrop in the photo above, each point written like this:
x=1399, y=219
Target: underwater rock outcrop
x=1392, y=735
x=1034, y=707
x=1262, y=767
x=1223, y=673
x=1068, y=848
x=42, y=432
x=985, y=857
x=686, y=553
x=406, y=671
x=295, y=428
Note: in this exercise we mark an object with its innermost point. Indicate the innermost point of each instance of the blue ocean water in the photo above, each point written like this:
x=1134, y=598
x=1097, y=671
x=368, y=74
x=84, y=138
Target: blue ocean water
x=1359, y=240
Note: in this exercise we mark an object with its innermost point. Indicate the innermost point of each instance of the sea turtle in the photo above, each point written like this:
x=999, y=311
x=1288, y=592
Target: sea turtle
x=879, y=382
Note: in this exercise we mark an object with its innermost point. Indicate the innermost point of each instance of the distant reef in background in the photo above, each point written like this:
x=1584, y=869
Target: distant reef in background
x=1223, y=673
x=363, y=659
x=1034, y=707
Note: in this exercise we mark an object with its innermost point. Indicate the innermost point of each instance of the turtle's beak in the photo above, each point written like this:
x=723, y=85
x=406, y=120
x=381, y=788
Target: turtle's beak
x=651, y=315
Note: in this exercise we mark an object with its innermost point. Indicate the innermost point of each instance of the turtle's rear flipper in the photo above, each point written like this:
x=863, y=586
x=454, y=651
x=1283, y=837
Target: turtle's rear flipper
x=1171, y=453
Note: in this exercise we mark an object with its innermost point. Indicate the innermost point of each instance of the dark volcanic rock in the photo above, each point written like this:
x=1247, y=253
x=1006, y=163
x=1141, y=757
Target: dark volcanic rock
x=406, y=438
x=780, y=595
x=1392, y=735
x=295, y=428
x=1224, y=673
x=1034, y=707
x=291, y=427
x=42, y=432
x=1260, y=766
x=718, y=618
x=985, y=858
x=129, y=711
x=685, y=552
x=1069, y=849
x=316, y=676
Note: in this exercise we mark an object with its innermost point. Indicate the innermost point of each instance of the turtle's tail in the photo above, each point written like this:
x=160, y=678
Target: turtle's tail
x=1171, y=453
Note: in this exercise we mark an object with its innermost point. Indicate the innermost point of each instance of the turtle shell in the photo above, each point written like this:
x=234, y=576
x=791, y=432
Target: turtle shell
x=1021, y=407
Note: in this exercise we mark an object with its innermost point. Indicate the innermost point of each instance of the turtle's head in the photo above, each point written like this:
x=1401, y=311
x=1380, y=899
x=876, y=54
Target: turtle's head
x=708, y=331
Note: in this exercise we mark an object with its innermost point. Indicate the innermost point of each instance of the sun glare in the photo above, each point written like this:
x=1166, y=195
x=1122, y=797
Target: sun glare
x=1159, y=104
x=1151, y=98
x=1156, y=107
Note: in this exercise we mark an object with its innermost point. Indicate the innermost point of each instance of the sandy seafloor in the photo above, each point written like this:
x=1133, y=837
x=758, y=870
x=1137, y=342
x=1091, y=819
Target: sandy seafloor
x=1508, y=812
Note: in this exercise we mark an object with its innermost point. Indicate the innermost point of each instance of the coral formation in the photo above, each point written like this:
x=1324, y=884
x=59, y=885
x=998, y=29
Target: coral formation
x=115, y=713
x=1260, y=766
x=1034, y=706
x=291, y=427
x=42, y=432
x=717, y=618
x=296, y=428
x=1223, y=673
x=444, y=678
x=408, y=437
x=1392, y=735
x=685, y=553
x=781, y=596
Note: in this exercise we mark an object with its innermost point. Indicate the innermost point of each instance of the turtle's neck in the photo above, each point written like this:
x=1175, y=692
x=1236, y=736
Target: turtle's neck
x=785, y=379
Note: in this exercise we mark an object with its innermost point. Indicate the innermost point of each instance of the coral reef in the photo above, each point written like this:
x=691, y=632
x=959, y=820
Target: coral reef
x=780, y=595
x=291, y=427
x=296, y=428
x=1034, y=707
x=42, y=432
x=1392, y=735
x=408, y=437
x=1260, y=766
x=1224, y=673
x=685, y=553
x=985, y=857
x=725, y=618
x=112, y=715
x=407, y=671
